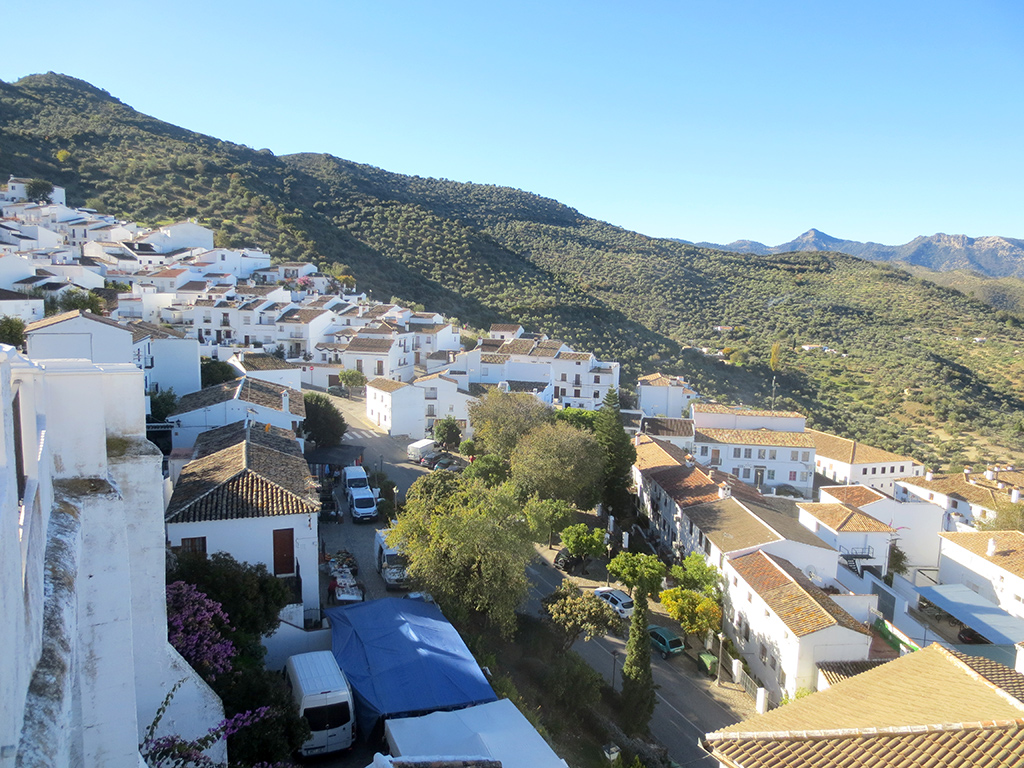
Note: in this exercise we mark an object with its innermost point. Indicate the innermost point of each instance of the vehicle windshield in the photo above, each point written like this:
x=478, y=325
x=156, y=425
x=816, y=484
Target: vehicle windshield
x=358, y=482
x=364, y=502
x=396, y=561
x=675, y=642
x=325, y=718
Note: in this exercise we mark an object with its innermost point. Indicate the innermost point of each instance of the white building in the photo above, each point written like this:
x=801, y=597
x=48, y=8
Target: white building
x=862, y=541
x=86, y=661
x=166, y=357
x=232, y=401
x=989, y=563
x=260, y=365
x=78, y=334
x=16, y=304
x=850, y=461
x=968, y=496
x=248, y=492
x=17, y=191
x=783, y=624
x=664, y=396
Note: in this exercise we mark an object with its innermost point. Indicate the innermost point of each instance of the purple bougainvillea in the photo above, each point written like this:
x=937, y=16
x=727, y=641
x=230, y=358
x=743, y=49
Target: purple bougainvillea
x=196, y=626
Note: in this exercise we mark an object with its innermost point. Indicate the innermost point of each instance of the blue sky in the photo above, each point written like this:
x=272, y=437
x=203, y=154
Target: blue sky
x=705, y=121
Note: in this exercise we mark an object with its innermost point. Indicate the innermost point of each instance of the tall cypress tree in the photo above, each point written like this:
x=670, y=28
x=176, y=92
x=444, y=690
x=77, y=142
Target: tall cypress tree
x=638, y=698
x=619, y=454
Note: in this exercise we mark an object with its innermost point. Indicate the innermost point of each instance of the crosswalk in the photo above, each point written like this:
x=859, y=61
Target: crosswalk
x=359, y=434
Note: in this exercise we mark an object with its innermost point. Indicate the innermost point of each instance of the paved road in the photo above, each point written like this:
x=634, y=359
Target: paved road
x=683, y=713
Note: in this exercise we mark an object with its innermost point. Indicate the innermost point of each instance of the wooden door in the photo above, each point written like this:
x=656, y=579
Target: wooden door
x=284, y=552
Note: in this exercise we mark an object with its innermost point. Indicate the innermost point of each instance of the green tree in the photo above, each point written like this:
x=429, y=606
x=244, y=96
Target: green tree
x=548, y=517
x=581, y=540
x=467, y=448
x=213, y=372
x=469, y=549
x=12, y=330
x=619, y=454
x=556, y=461
x=500, y=419
x=696, y=613
x=489, y=468
x=638, y=691
x=350, y=377
x=695, y=574
x=324, y=424
x=251, y=596
x=576, y=613
x=637, y=571
x=447, y=432
x=580, y=418
x=162, y=404
x=86, y=301
x=39, y=190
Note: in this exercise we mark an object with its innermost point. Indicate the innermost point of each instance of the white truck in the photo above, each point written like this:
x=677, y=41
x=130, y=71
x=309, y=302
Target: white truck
x=390, y=562
x=419, y=449
x=324, y=698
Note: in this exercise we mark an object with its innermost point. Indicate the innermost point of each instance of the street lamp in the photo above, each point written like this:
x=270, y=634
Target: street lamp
x=615, y=656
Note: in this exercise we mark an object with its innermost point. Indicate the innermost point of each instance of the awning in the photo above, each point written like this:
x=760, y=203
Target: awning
x=975, y=611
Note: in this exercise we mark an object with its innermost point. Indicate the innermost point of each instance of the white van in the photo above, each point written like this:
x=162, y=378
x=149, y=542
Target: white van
x=418, y=450
x=355, y=477
x=324, y=698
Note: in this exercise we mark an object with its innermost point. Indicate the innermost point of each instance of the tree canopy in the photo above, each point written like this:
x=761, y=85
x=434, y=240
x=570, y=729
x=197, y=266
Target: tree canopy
x=696, y=574
x=619, y=454
x=447, y=432
x=324, y=423
x=500, y=419
x=696, y=613
x=581, y=540
x=577, y=613
x=12, y=330
x=557, y=461
x=638, y=572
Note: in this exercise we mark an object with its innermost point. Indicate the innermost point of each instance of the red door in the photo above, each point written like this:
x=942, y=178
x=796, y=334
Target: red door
x=284, y=552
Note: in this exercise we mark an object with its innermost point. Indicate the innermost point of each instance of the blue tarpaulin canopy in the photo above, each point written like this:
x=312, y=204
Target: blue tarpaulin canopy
x=403, y=658
x=991, y=621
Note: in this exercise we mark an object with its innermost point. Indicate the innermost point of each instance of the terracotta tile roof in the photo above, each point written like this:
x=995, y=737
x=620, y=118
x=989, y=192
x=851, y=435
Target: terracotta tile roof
x=844, y=518
x=973, y=488
x=242, y=481
x=857, y=495
x=929, y=709
x=517, y=347
x=266, y=435
x=255, y=290
x=378, y=310
x=742, y=411
x=769, y=437
x=192, y=286
x=729, y=525
x=489, y=357
x=434, y=376
x=852, y=452
x=170, y=273
x=660, y=427
x=665, y=465
x=478, y=389
x=837, y=671
x=583, y=356
x=1009, y=553
x=801, y=606
x=386, y=385
x=490, y=345
x=377, y=346
x=661, y=380
x=255, y=391
x=301, y=315
x=505, y=328
x=46, y=322
x=784, y=523
x=526, y=386
x=261, y=361
x=431, y=328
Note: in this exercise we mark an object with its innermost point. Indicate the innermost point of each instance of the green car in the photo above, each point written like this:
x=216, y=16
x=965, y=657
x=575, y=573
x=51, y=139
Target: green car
x=665, y=641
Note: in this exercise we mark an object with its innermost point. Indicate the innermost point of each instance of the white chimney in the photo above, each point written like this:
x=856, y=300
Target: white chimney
x=689, y=460
x=929, y=476
x=724, y=491
x=1015, y=496
x=989, y=474
x=991, y=548
x=284, y=401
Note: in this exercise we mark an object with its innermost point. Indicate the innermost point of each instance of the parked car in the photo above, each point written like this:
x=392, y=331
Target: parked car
x=446, y=462
x=337, y=391
x=565, y=561
x=968, y=636
x=617, y=599
x=432, y=461
x=362, y=503
x=665, y=641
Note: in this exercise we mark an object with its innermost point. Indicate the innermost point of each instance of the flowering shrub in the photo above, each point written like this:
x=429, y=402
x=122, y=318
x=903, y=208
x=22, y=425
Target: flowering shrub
x=196, y=626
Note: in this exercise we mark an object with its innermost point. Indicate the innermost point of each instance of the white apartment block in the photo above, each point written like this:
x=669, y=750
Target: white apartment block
x=852, y=462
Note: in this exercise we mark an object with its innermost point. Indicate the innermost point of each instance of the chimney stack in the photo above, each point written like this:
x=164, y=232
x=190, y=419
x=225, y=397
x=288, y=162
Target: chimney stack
x=284, y=401
x=991, y=550
x=929, y=476
x=724, y=491
x=990, y=474
x=1015, y=496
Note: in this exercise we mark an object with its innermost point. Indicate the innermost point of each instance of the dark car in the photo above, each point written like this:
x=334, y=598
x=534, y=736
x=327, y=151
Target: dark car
x=430, y=461
x=665, y=641
x=968, y=636
x=567, y=562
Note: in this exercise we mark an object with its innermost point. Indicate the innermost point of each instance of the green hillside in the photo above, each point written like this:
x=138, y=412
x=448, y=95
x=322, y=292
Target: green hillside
x=906, y=373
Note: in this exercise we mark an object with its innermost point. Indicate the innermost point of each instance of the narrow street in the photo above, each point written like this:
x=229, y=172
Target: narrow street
x=689, y=704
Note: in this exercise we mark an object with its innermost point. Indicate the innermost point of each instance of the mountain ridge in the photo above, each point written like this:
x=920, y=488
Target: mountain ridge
x=991, y=255
x=906, y=375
